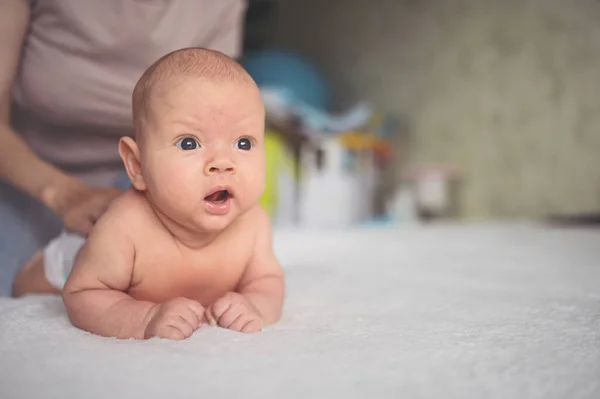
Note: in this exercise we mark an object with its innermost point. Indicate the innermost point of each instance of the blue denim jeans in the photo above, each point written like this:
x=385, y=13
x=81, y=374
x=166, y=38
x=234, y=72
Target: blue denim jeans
x=25, y=227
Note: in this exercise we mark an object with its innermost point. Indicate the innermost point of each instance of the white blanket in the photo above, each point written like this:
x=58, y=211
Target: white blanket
x=440, y=312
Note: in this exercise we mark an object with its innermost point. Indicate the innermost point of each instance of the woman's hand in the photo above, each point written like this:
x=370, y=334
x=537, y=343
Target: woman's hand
x=80, y=206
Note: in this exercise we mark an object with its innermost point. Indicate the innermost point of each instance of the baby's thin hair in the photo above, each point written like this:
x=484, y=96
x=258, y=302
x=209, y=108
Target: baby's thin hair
x=192, y=62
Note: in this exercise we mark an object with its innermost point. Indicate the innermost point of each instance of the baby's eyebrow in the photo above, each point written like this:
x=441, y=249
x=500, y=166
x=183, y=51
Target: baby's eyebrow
x=188, y=125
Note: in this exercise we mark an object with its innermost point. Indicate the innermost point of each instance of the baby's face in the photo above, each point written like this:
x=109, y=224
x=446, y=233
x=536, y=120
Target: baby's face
x=203, y=156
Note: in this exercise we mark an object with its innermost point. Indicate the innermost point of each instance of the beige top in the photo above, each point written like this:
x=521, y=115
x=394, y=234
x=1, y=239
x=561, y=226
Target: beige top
x=80, y=63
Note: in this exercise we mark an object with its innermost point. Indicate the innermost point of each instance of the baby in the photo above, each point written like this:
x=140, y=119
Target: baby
x=188, y=244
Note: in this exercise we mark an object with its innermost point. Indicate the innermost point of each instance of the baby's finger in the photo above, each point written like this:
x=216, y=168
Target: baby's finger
x=240, y=322
x=170, y=332
x=190, y=317
x=220, y=307
x=209, y=317
x=197, y=309
x=229, y=317
x=254, y=325
x=182, y=325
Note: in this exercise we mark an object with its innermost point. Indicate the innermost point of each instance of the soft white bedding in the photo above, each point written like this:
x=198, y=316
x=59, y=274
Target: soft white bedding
x=505, y=311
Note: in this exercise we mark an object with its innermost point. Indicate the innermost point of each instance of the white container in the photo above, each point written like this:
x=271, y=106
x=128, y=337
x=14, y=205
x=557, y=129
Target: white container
x=331, y=195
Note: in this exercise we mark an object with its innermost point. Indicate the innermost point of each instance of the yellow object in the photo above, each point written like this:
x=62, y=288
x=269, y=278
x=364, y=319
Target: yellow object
x=361, y=141
x=278, y=161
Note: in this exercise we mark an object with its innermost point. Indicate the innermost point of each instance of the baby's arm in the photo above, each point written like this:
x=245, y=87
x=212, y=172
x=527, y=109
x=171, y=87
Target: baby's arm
x=94, y=292
x=258, y=299
x=263, y=282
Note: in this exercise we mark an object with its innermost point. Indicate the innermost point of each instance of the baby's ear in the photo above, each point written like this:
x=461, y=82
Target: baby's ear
x=130, y=154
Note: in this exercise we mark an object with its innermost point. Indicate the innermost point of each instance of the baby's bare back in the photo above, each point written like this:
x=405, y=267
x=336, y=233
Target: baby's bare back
x=164, y=268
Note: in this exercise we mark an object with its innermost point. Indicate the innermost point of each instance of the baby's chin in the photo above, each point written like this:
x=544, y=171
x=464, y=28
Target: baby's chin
x=214, y=224
x=208, y=223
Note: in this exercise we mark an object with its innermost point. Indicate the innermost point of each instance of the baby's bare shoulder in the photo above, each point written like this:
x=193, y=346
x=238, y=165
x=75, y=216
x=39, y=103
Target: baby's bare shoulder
x=256, y=217
x=245, y=230
x=257, y=222
x=130, y=212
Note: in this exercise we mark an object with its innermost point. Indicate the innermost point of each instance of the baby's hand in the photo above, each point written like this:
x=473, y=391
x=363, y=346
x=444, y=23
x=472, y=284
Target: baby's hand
x=175, y=319
x=234, y=312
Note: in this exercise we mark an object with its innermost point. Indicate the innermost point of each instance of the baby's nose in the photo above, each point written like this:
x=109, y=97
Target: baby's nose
x=219, y=166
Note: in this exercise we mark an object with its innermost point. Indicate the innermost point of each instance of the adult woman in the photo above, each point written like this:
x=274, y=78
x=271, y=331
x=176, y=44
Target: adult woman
x=67, y=70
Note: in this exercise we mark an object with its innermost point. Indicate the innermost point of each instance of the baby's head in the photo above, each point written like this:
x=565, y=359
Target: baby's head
x=199, y=152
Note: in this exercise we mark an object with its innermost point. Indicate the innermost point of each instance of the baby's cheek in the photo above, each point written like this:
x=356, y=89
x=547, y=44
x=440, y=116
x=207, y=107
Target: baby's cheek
x=170, y=182
x=182, y=185
x=256, y=176
x=253, y=189
x=259, y=181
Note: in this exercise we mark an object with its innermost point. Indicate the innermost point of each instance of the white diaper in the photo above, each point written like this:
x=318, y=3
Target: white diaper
x=59, y=256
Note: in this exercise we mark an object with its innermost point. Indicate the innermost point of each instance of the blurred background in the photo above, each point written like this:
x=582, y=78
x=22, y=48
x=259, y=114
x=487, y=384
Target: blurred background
x=392, y=111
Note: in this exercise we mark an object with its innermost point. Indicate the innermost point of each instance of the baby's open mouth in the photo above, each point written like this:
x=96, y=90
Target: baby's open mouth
x=218, y=197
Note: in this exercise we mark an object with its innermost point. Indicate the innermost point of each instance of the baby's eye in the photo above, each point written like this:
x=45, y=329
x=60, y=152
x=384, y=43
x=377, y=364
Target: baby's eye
x=243, y=144
x=187, y=143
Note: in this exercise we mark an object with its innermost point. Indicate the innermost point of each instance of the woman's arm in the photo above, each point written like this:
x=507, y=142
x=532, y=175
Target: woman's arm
x=78, y=205
x=18, y=164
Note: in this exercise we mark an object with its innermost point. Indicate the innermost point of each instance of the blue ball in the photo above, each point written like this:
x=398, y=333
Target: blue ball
x=292, y=71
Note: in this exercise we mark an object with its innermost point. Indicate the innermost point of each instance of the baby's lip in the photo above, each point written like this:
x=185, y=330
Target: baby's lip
x=219, y=188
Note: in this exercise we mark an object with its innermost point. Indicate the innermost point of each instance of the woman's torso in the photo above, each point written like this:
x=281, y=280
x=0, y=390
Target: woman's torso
x=80, y=63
